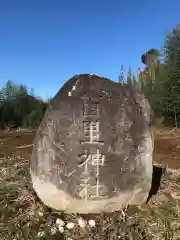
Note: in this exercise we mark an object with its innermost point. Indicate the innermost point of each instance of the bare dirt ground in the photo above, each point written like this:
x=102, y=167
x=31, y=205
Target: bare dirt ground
x=167, y=147
x=23, y=216
x=9, y=141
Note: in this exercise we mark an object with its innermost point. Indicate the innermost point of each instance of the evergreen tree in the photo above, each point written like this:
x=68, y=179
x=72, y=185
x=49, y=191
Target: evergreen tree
x=151, y=60
x=121, y=76
x=129, y=76
x=172, y=81
x=19, y=108
x=134, y=81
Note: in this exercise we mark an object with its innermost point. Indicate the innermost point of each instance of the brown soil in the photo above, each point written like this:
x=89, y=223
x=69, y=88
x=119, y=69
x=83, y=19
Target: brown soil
x=167, y=147
x=10, y=141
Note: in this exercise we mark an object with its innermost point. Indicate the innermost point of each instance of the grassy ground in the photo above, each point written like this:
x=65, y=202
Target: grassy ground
x=23, y=216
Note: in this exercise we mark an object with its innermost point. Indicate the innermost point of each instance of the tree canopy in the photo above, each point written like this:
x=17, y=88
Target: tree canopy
x=19, y=108
x=161, y=81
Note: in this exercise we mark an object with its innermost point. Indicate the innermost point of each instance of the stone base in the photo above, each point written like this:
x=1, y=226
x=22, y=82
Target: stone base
x=61, y=201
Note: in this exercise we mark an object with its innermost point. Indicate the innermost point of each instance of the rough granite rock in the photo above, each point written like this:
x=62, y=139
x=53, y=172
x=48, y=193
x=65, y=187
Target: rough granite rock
x=93, y=149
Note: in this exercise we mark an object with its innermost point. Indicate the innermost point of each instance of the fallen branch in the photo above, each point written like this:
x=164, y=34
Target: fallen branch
x=25, y=146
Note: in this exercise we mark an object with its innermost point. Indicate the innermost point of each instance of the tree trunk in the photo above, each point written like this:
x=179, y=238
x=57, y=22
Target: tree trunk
x=175, y=118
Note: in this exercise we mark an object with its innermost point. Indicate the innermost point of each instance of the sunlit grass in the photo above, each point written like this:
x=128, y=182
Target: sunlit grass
x=23, y=216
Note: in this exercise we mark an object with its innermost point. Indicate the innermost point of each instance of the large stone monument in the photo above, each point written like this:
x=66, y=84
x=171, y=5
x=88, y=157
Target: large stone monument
x=93, y=149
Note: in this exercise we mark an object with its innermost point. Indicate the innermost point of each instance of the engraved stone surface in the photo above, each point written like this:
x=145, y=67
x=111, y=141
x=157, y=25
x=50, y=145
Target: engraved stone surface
x=93, y=149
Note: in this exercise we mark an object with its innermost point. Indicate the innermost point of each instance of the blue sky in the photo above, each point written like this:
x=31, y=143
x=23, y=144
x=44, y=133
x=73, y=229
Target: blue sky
x=43, y=42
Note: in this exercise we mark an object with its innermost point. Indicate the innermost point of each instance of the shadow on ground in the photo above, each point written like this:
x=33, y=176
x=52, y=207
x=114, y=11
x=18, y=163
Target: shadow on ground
x=158, y=172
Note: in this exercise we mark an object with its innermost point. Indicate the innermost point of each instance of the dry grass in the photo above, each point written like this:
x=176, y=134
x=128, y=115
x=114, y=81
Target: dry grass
x=163, y=211
x=23, y=216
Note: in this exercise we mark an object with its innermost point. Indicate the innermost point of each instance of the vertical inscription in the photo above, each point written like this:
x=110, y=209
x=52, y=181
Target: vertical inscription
x=91, y=124
x=91, y=130
x=90, y=108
